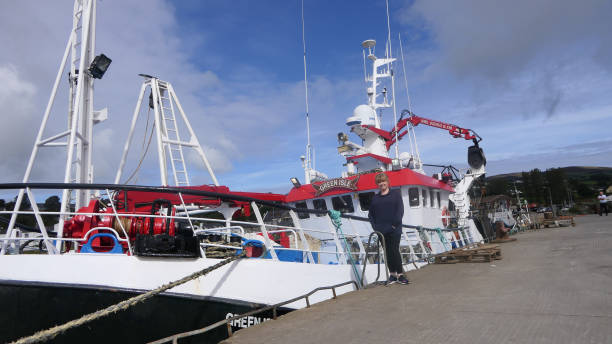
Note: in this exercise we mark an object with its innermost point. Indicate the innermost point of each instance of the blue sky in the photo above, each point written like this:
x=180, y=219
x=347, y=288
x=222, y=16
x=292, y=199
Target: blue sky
x=532, y=78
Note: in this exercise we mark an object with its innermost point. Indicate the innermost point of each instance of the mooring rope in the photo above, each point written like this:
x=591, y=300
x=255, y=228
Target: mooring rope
x=51, y=333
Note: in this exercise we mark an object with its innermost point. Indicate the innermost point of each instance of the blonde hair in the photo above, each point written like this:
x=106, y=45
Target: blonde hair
x=381, y=177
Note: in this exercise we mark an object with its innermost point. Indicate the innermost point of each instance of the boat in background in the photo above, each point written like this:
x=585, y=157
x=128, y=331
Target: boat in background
x=440, y=201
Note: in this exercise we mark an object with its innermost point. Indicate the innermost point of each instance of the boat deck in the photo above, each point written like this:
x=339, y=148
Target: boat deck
x=552, y=286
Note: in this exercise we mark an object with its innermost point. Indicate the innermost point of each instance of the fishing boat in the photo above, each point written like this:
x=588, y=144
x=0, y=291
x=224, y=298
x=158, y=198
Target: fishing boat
x=229, y=252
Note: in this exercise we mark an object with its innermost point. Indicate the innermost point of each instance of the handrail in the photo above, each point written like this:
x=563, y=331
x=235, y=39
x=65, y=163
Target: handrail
x=220, y=196
x=274, y=308
x=283, y=231
x=162, y=189
x=217, y=230
x=381, y=238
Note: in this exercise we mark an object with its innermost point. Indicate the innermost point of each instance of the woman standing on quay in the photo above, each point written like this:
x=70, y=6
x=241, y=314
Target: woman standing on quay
x=385, y=214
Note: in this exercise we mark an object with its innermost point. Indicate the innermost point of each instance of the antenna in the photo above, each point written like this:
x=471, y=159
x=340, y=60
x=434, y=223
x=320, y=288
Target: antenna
x=308, y=163
x=392, y=81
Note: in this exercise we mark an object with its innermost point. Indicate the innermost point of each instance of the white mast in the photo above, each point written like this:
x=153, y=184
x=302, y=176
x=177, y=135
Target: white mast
x=308, y=161
x=309, y=156
x=81, y=117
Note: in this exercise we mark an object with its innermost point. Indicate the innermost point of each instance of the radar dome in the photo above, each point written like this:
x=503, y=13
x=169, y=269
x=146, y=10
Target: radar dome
x=362, y=115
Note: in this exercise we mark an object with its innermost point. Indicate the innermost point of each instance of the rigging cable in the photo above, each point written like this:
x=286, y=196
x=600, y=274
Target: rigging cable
x=144, y=154
x=414, y=148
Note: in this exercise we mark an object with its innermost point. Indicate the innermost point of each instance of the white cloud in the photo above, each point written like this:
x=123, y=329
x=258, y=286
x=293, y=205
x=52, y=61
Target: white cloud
x=17, y=135
x=529, y=77
x=496, y=38
x=536, y=83
x=226, y=112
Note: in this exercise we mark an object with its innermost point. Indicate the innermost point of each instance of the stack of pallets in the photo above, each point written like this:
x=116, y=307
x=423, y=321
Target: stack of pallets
x=559, y=221
x=480, y=253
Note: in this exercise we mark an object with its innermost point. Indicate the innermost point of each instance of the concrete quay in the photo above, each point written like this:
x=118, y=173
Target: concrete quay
x=552, y=286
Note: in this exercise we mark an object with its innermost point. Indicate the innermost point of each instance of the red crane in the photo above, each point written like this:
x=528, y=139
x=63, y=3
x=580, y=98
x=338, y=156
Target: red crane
x=454, y=130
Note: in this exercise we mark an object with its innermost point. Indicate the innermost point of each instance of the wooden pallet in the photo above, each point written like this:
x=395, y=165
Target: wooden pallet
x=559, y=221
x=481, y=253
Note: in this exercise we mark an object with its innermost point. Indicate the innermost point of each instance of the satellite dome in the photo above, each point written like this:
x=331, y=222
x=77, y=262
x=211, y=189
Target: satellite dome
x=362, y=115
x=405, y=156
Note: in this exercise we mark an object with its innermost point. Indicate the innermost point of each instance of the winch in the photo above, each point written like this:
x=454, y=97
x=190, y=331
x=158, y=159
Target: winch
x=152, y=233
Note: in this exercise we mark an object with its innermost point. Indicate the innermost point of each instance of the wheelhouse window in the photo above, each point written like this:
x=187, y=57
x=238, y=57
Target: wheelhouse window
x=413, y=197
x=438, y=197
x=365, y=199
x=343, y=204
x=432, y=199
x=319, y=204
x=425, y=198
x=302, y=214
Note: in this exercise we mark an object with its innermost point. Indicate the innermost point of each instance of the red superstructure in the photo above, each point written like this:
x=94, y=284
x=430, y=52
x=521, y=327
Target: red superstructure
x=366, y=182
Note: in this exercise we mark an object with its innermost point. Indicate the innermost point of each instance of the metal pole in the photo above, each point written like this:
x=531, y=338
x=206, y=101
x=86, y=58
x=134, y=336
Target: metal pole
x=85, y=22
x=131, y=133
x=551, y=202
x=264, y=232
x=158, y=125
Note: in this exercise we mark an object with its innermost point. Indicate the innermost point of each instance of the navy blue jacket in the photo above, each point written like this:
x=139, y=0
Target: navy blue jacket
x=386, y=212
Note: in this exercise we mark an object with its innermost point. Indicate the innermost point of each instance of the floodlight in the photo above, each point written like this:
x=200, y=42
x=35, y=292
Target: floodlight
x=99, y=65
x=296, y=183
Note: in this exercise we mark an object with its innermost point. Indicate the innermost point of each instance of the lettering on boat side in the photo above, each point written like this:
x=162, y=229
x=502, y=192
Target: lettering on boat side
x=245, y=322
x=337, y=183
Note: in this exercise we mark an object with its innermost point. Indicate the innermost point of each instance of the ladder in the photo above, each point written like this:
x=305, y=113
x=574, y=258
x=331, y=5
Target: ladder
x=75, y=61
x=171, y=139
x=173, y=134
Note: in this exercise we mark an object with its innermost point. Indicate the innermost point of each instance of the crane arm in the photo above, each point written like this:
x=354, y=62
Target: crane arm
x=454, y=130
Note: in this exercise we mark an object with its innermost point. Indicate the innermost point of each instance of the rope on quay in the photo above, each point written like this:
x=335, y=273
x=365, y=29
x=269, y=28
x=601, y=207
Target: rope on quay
x=52, y=332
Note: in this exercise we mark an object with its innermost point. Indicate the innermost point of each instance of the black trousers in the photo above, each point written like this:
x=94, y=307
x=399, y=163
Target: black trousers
x=394, y=259
x=603, y=206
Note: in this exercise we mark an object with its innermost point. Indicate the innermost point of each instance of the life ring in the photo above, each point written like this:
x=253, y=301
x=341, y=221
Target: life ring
x=445, y=214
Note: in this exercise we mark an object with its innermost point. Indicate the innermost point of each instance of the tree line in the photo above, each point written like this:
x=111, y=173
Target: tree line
x=553, y=184
x=52, y=203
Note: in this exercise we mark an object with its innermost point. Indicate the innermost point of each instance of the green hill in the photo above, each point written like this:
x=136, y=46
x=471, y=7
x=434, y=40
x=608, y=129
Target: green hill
x=580, y=172
x=564, y=185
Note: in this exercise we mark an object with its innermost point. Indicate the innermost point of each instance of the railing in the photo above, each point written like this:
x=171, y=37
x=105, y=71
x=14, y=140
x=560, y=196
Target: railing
x=436, y=240
x=422, y=243
x=274, y=308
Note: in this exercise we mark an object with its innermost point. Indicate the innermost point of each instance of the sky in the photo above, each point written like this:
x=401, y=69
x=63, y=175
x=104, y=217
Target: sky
x=532, y=78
